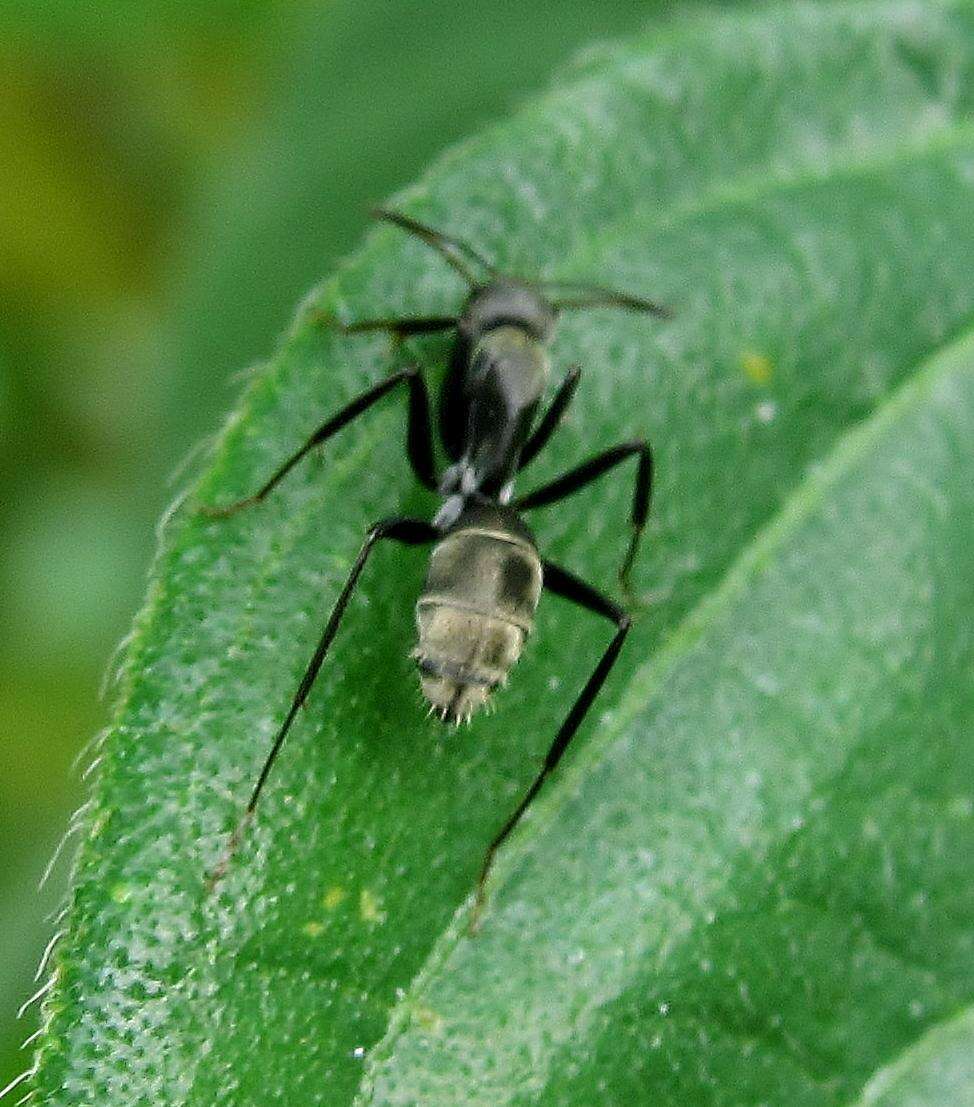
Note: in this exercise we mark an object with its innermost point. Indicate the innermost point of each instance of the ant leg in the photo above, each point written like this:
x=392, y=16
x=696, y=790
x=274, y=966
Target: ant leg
x=411, y=532
x=549, y=422
x=419, y=441
x=591, y=470
x=569, y=587
x=401, y=328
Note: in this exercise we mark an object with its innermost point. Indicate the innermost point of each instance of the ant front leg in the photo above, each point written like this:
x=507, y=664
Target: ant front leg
x=401, y=328
x=419, y=441
x=551, y=418
x=591, y=470
x=569, y=587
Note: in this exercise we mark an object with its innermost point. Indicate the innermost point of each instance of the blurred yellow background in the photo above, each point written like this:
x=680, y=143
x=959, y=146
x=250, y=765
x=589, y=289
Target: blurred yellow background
x=174, y=177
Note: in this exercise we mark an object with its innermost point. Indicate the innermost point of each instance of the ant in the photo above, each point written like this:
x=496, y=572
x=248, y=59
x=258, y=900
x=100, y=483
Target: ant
x=485, y=573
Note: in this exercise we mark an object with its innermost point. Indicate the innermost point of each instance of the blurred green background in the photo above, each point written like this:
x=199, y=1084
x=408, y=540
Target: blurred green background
x=174, y=177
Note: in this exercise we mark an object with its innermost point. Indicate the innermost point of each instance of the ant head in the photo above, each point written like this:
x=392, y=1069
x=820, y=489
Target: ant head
x=503, y=302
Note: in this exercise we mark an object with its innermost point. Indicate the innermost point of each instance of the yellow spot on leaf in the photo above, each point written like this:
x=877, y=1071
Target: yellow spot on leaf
x=370, y=908
x=313, y=929
x=333, y=897
x=757, y=367
x=122, y=893
x=427, y=1018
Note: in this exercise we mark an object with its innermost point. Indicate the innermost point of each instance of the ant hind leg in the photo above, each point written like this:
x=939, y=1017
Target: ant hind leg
x=410, y=532
x=568, y=586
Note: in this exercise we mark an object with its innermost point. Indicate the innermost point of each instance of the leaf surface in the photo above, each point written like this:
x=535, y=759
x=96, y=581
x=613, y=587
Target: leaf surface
x=747, y=882
x=939, y=1068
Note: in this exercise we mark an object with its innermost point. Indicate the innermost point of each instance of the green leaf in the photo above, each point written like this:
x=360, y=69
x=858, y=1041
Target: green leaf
x=938, y=1069
x=748, y=881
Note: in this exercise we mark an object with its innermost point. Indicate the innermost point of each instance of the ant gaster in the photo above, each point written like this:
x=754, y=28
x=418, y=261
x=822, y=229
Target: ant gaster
x=485, y=574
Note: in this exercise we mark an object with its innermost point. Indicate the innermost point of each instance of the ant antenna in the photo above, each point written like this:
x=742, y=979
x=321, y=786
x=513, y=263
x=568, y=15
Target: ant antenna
x=452, y=250
x=457, y=253
x=594, y=295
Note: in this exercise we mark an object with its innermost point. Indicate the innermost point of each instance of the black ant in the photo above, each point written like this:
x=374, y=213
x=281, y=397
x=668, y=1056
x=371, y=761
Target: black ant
x=485, y=574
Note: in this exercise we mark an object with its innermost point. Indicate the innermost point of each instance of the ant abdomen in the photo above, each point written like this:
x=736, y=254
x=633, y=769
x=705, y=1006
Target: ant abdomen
x=476, y=609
